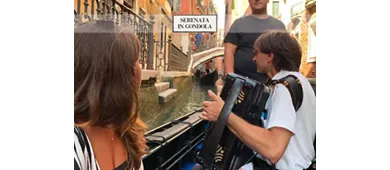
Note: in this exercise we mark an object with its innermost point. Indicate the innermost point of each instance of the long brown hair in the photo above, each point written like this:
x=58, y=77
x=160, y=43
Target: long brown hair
x=105, y=86
x=286, y=49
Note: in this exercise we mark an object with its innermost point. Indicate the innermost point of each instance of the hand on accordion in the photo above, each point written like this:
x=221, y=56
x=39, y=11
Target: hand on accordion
x=211, y=109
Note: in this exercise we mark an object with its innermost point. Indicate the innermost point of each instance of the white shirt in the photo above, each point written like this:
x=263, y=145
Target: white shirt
x=281, y=113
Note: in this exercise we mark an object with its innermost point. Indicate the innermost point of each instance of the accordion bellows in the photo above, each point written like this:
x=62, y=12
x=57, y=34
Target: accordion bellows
x=222, y=150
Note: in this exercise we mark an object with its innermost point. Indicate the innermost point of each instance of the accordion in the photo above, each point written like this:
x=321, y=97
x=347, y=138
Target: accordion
x=222, y=150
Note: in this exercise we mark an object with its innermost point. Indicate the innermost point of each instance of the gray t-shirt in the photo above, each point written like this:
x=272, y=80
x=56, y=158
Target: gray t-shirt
x=243, y=33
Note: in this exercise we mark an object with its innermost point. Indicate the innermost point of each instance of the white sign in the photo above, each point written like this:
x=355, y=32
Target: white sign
x=194, y=23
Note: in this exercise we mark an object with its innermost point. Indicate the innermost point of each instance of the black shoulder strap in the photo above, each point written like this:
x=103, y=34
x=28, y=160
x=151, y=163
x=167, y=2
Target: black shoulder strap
x=293, y=84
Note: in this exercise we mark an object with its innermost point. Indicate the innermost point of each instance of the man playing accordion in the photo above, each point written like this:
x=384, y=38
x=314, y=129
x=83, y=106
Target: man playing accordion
x=286, y=141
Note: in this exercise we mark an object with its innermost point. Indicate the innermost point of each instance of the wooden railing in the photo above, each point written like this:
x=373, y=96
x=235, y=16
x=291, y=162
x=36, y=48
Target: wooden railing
x=178, y=61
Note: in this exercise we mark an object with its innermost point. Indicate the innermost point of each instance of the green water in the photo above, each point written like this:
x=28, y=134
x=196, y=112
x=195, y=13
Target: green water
x=187, y=101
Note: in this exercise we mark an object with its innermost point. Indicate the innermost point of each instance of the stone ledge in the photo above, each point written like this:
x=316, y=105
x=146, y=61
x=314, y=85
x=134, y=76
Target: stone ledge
x=166, y=95
x=147, y=74
x=170, y=75
x=162, y=86
x=174, y=74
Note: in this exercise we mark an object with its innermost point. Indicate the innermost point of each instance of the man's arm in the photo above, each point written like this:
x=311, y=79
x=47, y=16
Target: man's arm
x=230, y=50
x=231, y=42
x=270, y=143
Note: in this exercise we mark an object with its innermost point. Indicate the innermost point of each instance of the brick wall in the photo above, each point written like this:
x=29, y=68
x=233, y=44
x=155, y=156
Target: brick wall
x=307, y=69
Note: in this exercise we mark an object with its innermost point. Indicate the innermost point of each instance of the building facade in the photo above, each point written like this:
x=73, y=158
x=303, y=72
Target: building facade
x=302, y=25
x=152, y=22
x=299, y=17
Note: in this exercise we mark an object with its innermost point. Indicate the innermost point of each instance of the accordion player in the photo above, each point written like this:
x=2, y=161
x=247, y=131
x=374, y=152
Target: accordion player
x=222, y=150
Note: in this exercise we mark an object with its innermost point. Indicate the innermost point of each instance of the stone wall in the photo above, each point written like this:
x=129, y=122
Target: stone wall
x=148, y=96
x=148, y=99
x=182, y=83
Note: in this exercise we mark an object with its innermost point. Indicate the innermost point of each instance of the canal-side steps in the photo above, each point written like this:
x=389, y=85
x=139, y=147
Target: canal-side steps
x=164, y=83
x=164, y=92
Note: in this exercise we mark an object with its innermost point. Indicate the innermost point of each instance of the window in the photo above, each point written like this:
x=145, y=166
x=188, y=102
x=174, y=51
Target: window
x=296, y=29
x=275, y=8
x=212, y=9
x=297, y=32
x=177, y=5
x=200, y=5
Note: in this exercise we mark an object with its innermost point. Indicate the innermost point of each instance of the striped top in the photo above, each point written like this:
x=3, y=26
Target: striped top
x=84, y=158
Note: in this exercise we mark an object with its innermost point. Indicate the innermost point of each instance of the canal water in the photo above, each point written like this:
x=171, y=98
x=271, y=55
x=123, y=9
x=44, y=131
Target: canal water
x=186, y=102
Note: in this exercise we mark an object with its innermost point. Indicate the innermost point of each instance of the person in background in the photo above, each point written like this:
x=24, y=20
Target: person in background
x=240, y=39
x=108, y=133
x=208, y=66
x=288, y=135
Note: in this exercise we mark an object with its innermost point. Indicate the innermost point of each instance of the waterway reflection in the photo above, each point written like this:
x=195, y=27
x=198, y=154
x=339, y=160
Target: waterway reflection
x=186, y=102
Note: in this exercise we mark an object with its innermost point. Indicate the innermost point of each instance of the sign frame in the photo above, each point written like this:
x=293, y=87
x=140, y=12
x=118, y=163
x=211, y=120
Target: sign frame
x=176, y=31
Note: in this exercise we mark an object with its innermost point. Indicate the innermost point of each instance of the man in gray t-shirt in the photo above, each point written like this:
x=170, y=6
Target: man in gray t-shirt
x=241, y=37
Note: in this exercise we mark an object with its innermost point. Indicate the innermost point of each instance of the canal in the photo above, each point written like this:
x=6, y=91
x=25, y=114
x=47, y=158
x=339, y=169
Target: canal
x=187, y=101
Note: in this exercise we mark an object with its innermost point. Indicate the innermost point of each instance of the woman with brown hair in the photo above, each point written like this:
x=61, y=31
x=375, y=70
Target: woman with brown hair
x=108, y=132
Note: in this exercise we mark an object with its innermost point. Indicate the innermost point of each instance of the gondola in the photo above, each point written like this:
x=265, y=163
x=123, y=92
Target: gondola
x=178, y=145
x=173, y=145
x=206, y=78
